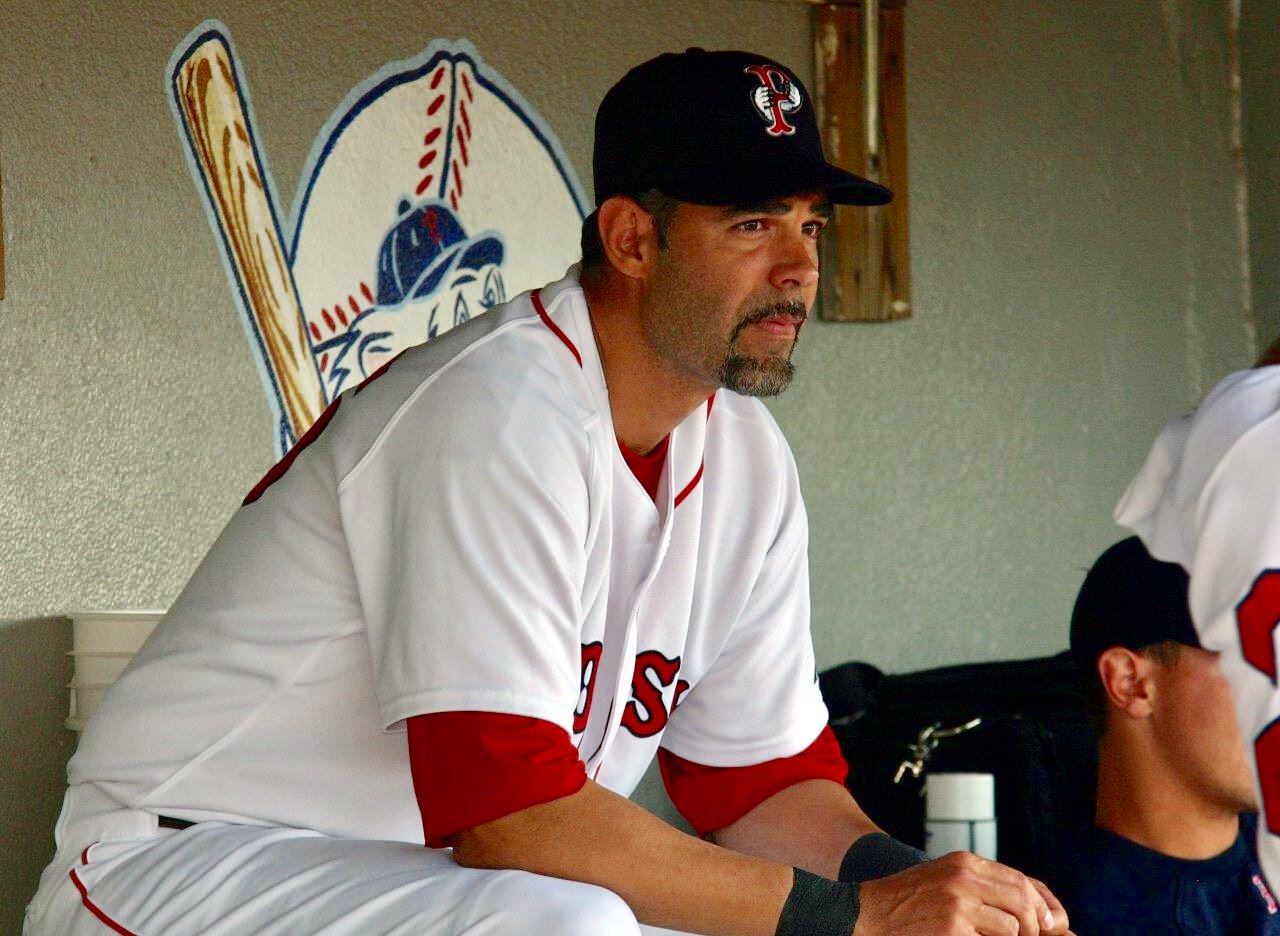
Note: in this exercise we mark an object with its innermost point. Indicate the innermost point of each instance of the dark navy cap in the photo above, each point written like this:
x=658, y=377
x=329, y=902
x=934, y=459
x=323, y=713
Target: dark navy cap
x=1130, y=599
x=716, y=128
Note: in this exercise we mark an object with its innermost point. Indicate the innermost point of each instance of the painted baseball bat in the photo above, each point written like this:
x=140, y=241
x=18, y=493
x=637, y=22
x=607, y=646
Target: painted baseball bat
x=221, y=140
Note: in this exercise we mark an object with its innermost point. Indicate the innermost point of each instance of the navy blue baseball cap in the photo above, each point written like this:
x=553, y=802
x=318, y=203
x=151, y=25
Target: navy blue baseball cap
x=716, y=128
x=1130, y=599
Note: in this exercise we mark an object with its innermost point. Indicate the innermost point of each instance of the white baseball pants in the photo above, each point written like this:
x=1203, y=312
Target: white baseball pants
x=219, y=879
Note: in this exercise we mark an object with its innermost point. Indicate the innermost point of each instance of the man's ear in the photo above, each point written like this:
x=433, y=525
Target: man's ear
x=1127, y=681
x=627, y=235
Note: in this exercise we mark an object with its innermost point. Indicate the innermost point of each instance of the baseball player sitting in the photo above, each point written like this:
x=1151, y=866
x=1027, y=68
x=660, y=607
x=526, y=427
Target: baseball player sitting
x=1207, y=499
x=493, y=582
x=1171, y=852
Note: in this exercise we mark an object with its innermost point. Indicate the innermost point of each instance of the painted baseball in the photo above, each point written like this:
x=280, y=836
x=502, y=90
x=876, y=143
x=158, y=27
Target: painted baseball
x=467, y=201
x=432, y=193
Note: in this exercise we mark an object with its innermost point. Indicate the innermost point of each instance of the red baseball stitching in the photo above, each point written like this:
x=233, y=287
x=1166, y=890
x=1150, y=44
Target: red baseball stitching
x=326, y=326
x=429, y=140
x=356, y=306
x=462, y=147
x=462, y=135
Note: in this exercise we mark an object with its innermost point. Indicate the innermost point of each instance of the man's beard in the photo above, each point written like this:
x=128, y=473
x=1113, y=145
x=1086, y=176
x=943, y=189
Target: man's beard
x=761, y=377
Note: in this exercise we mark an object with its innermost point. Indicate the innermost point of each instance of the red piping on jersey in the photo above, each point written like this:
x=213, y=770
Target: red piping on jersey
x=688, y=488
x=556, y=330
x=94, y=909
x=546, y=320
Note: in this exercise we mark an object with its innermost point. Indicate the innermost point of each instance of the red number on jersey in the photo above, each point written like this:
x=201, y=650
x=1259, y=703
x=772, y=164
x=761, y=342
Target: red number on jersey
x=1257, y=617
x=591, y=654
x=1266, y=754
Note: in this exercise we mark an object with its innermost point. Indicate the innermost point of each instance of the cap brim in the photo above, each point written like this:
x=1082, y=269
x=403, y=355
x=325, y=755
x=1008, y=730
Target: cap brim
x=483, y=252
x=727, y=185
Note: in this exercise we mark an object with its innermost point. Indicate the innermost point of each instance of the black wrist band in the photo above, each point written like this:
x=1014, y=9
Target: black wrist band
x=818, y=907
x=875, y=856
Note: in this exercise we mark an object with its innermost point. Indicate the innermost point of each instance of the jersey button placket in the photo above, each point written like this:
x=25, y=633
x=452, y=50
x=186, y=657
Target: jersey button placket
x=660, y=536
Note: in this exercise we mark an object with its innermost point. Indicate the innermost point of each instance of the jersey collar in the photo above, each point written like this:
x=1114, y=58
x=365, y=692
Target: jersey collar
x=562, y=306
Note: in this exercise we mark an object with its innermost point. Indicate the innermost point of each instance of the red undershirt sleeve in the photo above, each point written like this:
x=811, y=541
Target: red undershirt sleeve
x=473, y=767
x=711, y=798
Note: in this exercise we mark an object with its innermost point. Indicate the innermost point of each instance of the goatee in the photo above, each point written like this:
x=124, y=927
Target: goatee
x=761, y=377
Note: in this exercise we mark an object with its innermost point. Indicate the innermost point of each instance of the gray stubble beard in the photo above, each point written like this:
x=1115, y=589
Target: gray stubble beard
x=755, y=377
x=752, y=377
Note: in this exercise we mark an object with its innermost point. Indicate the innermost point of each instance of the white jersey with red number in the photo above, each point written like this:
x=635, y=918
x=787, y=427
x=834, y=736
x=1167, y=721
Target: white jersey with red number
x=1208, y=498
x=462, y=533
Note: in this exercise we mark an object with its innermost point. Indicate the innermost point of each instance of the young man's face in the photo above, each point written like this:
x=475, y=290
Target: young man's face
x=729, y=294
x=1195, y=723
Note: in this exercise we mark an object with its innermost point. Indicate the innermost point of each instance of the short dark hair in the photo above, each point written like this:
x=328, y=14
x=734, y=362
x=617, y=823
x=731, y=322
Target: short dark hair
x=660, y=206
x=1166, y=653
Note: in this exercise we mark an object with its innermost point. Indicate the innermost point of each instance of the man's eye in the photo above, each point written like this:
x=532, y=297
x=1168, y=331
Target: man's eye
x=751, y=227
x=814, y=228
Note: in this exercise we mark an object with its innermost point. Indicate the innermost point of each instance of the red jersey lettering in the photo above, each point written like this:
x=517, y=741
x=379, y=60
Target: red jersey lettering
x=646, y=714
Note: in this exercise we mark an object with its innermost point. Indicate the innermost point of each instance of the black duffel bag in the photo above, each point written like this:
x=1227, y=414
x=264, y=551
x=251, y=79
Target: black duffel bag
x=1034, y=736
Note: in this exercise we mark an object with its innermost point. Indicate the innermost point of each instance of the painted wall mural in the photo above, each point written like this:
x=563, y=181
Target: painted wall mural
x=433, y=192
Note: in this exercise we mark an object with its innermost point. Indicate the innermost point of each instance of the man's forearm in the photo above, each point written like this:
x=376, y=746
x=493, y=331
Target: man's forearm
x=668, y=878
x=809, y=825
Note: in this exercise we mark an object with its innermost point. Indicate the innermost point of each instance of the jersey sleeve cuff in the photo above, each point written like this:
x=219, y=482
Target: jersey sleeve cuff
x=470, y=768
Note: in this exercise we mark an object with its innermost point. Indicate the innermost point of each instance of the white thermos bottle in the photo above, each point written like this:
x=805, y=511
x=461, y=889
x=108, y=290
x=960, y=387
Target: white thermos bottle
x=960, y=814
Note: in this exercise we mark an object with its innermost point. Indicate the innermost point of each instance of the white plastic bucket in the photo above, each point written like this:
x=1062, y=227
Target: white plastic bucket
x=102, y=644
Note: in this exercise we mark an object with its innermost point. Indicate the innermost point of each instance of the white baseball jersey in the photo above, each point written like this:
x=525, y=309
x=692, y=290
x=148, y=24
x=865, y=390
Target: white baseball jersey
x=1208, y=498
x=462, y=533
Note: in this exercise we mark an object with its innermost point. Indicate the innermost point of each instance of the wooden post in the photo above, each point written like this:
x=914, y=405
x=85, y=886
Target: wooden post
x=866, y=260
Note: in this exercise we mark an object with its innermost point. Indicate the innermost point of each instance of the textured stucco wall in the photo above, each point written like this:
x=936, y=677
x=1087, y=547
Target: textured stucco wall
x=1075, y=281
x=1260, y=92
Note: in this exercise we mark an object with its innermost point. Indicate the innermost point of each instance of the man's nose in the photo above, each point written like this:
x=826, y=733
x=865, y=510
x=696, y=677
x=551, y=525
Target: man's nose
x=796, y=266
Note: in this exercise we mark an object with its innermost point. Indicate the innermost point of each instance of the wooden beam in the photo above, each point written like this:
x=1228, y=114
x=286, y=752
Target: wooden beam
x=866, y=268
